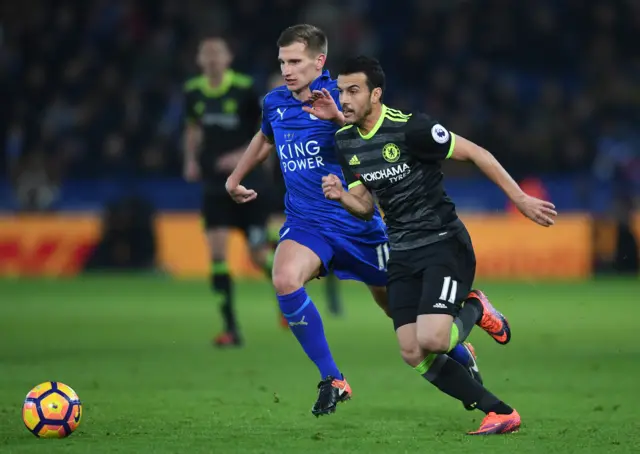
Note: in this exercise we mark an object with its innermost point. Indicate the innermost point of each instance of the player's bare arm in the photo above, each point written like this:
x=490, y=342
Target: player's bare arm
x=192, y=141
x=258, y=150
x=539, y=211
x=324, y=107
x=358, y=200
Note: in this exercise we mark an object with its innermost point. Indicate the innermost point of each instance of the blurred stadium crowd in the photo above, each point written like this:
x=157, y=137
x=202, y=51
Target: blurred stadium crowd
x=93, y=89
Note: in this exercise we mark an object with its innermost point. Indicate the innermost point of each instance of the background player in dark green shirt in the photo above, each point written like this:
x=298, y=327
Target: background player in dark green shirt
x=431, y=268
x=222, y=113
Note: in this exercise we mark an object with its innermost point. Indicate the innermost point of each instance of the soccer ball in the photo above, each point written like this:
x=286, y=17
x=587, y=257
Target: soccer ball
x=52, y=410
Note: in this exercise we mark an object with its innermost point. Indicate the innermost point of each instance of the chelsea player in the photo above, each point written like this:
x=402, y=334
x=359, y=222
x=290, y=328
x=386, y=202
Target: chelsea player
x=318, y=235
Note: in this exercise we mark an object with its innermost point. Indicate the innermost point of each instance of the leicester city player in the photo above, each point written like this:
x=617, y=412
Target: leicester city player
x=277, y=219
x=397, y=156
x=317, y=236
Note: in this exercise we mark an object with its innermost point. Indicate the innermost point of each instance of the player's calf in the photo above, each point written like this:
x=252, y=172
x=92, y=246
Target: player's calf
x=452, y=379
x=414, y=354
x=222, y=287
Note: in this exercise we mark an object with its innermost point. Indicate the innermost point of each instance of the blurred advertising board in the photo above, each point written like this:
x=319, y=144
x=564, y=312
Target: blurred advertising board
x=507, y=246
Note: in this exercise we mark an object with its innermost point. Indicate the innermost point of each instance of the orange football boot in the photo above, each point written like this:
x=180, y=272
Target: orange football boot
x=227, y=340
x=492, y=321
x=494, y=424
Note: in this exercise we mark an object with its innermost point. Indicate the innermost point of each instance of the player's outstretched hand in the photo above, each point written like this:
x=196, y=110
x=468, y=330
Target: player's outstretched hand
x=539, y=211
x=240, y=194
x=323, y=105
x=332, y=187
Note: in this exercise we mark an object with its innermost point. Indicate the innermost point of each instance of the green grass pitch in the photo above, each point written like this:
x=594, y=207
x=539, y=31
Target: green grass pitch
x=136, y=349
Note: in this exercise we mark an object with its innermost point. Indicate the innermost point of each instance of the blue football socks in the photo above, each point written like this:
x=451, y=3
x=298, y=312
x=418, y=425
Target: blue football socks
x=460, y=355
x=306, y=324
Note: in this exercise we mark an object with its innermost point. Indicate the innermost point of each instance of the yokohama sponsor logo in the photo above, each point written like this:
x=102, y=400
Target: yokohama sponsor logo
x=394, y=173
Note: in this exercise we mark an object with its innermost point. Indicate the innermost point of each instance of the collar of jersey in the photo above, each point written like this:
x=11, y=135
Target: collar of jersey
x=320, y=81
x=317, y=83
x=370, y=134
x=220, y=90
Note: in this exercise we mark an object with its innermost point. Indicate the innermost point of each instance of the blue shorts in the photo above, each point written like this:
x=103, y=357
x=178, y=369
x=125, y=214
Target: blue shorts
x=349, y=256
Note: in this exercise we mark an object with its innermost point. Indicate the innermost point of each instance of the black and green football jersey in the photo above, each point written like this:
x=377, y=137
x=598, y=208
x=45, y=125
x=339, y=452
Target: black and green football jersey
x=399, y=161
x=229, y=115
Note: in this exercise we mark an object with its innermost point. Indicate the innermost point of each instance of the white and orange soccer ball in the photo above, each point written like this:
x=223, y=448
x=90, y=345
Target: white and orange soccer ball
x=52, y=410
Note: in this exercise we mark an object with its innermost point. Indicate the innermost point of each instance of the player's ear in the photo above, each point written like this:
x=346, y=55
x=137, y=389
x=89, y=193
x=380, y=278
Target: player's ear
x=320, y=61
x=376, y=94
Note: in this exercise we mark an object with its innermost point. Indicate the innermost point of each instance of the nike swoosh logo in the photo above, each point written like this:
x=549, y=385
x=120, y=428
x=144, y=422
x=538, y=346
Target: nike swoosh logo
x=493, y=428
x=78, y=415
x=500, y=336
x=342, y=388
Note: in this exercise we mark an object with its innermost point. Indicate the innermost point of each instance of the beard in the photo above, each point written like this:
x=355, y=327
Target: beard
x=365, y=113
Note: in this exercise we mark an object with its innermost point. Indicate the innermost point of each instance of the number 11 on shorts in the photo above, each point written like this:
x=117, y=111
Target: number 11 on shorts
x=445, y=295
x=383, y=255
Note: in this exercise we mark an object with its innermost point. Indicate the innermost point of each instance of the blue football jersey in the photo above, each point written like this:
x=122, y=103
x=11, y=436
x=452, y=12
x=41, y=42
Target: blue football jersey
x=306, y=150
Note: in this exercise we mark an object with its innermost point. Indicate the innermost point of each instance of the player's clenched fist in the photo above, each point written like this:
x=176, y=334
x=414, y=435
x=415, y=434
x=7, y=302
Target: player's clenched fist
x=239, y=193
x=332, y=187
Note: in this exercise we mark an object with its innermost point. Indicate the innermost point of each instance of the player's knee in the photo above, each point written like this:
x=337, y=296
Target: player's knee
x=411, y=354
x=432, y=342
x=217, y=245
x=286, y=281
x=218, y=258
x=217, y=254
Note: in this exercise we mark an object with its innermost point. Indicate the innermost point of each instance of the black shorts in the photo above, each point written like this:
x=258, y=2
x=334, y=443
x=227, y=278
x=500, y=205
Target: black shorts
x=433, y=279
x=219, y=210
